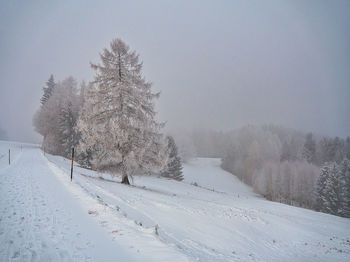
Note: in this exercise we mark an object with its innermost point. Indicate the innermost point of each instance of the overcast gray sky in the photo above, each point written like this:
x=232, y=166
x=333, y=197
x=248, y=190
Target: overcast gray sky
x=218, y=64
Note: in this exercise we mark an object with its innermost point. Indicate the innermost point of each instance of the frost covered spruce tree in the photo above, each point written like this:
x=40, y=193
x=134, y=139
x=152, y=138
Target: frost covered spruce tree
x=344, y=170
x=321, y=187
x=117, y=122
x=173, y=168
x=39, y=121
x=68, y=136
x=333, y=189
x=48, y=90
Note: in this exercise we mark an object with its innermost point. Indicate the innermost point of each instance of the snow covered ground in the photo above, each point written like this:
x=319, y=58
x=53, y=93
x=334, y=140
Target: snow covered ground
x=39, y=218
x=45, y=217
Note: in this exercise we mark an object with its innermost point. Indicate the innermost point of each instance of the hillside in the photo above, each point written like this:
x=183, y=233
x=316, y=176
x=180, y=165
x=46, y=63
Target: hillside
x=210, y=216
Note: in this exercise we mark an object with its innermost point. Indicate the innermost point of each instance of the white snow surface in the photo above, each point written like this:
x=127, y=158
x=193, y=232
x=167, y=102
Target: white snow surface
x=45, y=217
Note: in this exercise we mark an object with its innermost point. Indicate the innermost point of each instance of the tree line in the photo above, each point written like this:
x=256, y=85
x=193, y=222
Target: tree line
x=111, y=121
x=282, y=164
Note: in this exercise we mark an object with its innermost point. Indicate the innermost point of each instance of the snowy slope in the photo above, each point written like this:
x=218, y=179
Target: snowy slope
x=207, y=173
x=39, y=218
x=219, y=220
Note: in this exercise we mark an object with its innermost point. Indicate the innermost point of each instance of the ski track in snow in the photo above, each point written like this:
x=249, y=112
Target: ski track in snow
x=37, y=217
x=30, y=222
x=218, y=220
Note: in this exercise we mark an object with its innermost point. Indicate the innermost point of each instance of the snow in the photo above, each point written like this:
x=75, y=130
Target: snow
x=45, y=217
x=206, y=172
x=40, y=220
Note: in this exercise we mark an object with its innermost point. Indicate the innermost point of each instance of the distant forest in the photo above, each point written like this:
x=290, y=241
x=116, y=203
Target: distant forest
x=282, y=164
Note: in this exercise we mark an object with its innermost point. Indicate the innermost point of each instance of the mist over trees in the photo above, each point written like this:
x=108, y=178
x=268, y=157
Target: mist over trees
x=57, y=116
x=280, y=163
x=111, y=120
x=271, y=160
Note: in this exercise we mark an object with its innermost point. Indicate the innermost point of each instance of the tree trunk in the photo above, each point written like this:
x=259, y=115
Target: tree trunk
x=125, y=180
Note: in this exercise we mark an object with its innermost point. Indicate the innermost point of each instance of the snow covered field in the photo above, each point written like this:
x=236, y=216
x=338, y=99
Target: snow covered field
x=45, y=217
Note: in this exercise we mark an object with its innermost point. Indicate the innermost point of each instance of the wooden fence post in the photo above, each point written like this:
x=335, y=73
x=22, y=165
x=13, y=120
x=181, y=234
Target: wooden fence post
x=71, y=167
x=9, y=157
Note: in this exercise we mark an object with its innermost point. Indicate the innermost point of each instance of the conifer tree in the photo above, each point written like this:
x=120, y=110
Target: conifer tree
x=67, y=122
x=333, y=185
x=344, y=170
x=332, y=196
x=329, y=190
x=173, y=168
x=321, y=187
x=117, y=123
x=48, y=90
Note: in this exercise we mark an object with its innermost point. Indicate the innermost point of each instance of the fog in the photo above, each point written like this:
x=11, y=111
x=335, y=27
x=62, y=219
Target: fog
x=218, y=64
